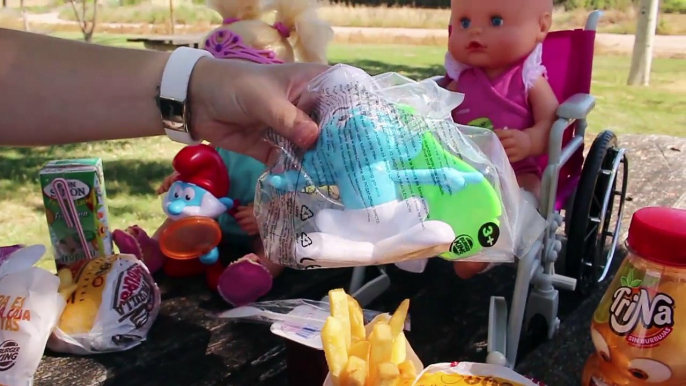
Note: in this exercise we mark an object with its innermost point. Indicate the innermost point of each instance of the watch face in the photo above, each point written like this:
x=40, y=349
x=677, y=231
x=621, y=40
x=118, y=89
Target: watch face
x=171, y=110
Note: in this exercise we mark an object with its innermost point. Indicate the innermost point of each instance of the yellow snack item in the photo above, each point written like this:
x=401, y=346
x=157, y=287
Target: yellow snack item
x=377, y=354
x=355, y=373
x=83, y=303
x=111, y=304
x=338, y=300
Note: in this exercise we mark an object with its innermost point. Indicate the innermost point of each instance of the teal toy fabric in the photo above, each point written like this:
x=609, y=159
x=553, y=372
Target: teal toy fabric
x=244, y=171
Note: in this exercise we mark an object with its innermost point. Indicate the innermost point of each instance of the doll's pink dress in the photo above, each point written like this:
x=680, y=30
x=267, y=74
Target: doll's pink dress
x=499, y=103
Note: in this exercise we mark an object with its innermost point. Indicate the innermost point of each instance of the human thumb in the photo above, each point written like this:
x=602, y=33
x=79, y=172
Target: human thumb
x=291, y=122
x=283, y=116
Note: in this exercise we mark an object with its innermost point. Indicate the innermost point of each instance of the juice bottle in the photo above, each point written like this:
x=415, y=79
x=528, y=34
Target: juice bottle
x=639, y=327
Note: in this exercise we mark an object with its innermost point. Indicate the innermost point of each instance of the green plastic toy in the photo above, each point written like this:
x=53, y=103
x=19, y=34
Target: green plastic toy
x=473, y=212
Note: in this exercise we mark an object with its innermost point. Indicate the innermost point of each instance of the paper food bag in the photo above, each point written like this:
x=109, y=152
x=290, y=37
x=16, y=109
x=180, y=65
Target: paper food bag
x=115, y=305
x=467, y=373
x=29, y=309
x=410, y=352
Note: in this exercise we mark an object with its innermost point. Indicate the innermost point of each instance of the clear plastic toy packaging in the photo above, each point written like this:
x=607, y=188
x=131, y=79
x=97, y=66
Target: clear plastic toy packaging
x=391, y=179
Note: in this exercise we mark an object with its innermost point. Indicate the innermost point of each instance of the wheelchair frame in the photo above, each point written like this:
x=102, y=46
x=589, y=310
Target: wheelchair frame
x=536, y=286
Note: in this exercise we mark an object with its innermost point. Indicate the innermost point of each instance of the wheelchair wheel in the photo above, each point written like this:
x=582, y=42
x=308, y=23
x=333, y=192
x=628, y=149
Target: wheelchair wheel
x=592, y=236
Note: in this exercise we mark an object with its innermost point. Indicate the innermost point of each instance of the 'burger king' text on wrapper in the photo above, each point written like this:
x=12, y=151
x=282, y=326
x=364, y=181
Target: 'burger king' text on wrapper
x=29, y=309
x=116, y=303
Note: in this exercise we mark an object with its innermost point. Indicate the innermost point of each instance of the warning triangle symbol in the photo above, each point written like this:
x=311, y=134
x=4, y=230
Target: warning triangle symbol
x=305, y=213
x=305, y=240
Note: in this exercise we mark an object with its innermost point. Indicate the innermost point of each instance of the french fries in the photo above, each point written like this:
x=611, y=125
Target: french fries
x=356, y=358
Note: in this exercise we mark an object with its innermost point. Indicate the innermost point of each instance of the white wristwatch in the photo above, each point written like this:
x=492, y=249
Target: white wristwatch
x=174, y=93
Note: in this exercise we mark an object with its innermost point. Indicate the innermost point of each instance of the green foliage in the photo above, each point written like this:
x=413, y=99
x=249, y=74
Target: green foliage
x=673, y=6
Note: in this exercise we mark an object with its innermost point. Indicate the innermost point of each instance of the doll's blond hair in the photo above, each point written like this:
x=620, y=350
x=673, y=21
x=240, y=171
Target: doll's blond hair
x=308, y=37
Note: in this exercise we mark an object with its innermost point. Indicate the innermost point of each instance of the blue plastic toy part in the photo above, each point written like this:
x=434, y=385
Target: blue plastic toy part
x=358, y=152
x=210, y=257
x=186, y=199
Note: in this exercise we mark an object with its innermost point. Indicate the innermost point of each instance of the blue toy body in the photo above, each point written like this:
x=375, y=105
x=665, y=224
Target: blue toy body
x=359, y=154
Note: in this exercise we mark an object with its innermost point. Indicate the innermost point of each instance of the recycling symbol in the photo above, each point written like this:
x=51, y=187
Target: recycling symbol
x=305, y=240
x=305, y=213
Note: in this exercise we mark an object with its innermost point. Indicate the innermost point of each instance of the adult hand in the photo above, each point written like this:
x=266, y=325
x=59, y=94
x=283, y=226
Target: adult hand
x=517, y=143
x=234, y=102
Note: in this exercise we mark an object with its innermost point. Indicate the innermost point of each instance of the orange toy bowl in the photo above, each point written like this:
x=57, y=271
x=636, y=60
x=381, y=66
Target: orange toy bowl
x=190, y=238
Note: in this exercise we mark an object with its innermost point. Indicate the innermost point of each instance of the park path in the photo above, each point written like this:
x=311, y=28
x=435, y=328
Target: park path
x=674, y=45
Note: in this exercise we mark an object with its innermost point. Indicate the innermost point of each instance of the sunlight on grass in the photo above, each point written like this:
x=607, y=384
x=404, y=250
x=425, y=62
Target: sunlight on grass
x=617, y=21
x=134, y=168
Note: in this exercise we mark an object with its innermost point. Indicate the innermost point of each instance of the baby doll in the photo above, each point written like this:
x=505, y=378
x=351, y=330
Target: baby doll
x=494, y=59
x=296, y=35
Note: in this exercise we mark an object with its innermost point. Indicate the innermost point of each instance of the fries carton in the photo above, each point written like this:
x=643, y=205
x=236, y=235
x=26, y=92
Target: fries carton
x=373, y=354
x=410, y=354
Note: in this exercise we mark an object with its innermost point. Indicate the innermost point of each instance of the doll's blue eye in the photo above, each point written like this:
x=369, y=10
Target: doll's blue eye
x=497, y=21
x=465, y=23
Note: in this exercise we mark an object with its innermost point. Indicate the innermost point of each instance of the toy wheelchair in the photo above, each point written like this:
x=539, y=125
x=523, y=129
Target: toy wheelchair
x=586, y=195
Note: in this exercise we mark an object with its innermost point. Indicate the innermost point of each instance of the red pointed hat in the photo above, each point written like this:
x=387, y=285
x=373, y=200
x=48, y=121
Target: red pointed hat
x=201, y=165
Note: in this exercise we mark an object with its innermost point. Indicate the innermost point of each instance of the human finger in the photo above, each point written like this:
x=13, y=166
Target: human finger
x=508, y=142
x=283, y=115
x=289, y=121
x=502, y=134
x=241, y=214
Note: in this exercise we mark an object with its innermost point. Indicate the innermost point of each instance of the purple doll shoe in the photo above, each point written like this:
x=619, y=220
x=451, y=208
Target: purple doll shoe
x=134, y=241
x=244, y=281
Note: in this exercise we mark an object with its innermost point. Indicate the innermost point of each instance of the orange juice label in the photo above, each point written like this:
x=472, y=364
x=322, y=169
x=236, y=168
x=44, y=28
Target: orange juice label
x=634, y=329
x=638, y=311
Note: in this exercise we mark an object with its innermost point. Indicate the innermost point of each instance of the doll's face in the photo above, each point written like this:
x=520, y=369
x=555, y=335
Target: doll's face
x=494, y=34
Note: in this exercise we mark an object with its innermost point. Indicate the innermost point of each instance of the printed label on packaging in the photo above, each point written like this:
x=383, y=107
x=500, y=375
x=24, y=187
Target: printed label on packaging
x=87, y=189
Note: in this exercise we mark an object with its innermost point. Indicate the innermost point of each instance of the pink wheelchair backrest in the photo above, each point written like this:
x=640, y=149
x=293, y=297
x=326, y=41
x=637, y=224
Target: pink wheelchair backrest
x=568, y=58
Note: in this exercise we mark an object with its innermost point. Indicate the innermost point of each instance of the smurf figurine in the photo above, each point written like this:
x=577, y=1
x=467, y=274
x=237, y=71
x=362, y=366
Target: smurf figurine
x=364, y=149
x=200, y=189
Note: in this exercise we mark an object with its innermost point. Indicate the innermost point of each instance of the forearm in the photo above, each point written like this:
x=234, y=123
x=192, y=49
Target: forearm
x=544, y=105
x=56, y=91
x=539, y=135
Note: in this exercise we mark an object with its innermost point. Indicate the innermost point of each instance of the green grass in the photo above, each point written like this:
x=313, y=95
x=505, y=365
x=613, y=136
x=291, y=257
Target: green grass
x=101, y=38
x=134, y=168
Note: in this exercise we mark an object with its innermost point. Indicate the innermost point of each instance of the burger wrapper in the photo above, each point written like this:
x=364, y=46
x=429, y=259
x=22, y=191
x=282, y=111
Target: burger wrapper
x=115, y=311
x=468, y=373
x=410, y=352
x=29, y=309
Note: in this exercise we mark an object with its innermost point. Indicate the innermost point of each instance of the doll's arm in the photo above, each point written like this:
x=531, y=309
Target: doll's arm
x=544, y=105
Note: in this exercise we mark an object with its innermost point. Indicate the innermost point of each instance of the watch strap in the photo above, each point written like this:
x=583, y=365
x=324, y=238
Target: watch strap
x=174, y=90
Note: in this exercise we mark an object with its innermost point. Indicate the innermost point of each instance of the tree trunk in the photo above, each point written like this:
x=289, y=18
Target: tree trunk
x=643, y=44
x=172, y=21
x=23, y=15
x=87, y=27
